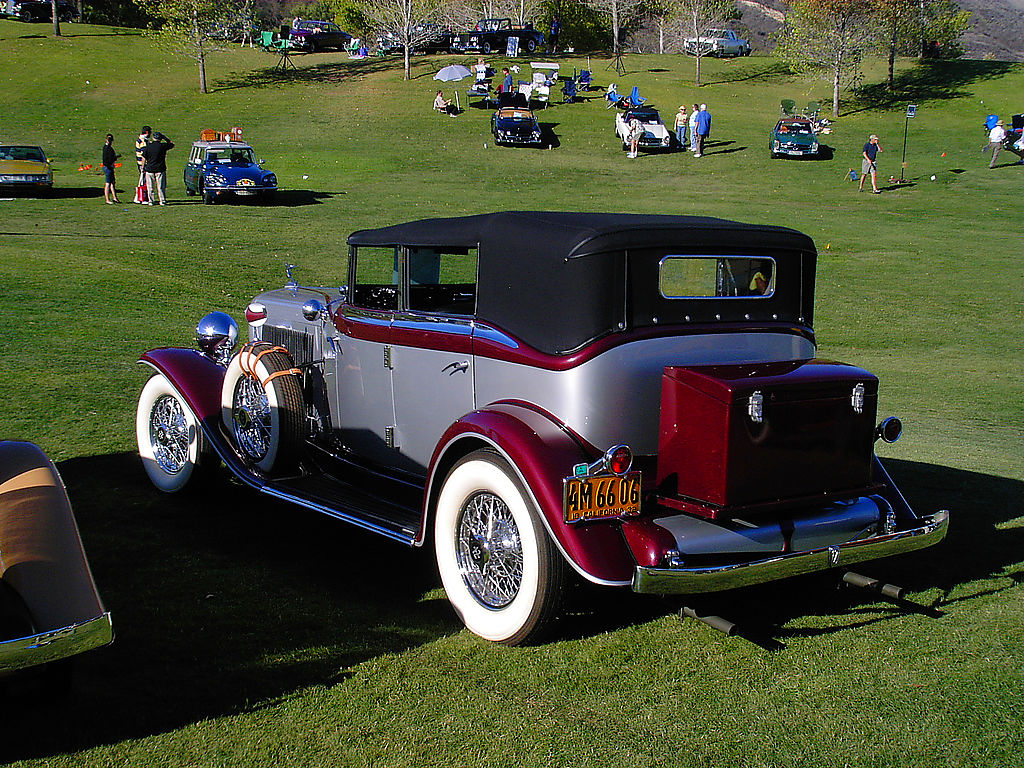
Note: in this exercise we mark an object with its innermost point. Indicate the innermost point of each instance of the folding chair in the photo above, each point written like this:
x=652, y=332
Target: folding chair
x=812, y=111
x=635, y=99
x=787, y=108
x=585, y=80
x=568, y=91
x=612, y=96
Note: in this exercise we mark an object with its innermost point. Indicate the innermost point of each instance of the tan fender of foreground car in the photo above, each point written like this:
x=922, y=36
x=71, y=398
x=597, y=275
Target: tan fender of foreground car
x=49, y=606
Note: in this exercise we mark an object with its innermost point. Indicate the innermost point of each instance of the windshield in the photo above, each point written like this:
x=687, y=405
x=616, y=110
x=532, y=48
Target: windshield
x=238, y=156
x=802, y=129
x=35, y=154
x=646, y=116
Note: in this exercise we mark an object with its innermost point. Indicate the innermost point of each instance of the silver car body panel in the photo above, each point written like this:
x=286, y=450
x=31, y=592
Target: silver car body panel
x=615, y=397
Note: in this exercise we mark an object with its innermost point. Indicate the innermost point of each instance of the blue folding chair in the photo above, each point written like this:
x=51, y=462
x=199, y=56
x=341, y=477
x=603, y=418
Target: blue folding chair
x=612, y=96
x=585, y=80
x=568, y=91
x=635, y=99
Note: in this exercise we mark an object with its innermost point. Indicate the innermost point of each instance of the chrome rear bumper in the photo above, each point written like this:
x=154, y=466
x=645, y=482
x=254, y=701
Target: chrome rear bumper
x=56, y=644
x=667, y=581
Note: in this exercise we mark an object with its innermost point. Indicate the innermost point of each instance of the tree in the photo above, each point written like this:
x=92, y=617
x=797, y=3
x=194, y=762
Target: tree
x=621, y=13
x=188, y=27
x=829, y=37
x=406, y=19
x=699, y=15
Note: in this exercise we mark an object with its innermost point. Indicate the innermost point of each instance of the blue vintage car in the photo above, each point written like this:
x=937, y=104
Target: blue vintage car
x=217, y=169
x=514, y=123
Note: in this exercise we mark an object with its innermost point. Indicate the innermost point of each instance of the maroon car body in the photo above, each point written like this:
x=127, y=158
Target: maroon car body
x=634, y=398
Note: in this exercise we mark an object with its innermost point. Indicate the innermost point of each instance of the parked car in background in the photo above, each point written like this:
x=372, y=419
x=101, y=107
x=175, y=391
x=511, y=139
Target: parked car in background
x=492, y=35
x=655, y=135
x=222, y=168
x=633, y=398
x=426, y=38
x=25, y=167
x=49, y=607
x=313, y=36
x=717, y=42
x=39, y=10
x=514, y=122
x=793, y=137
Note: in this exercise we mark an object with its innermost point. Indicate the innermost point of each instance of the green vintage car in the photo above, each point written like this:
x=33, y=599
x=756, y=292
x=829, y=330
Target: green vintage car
x=793, y=136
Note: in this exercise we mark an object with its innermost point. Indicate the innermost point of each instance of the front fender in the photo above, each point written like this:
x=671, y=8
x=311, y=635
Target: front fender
x=195, y=376
x=542, y=452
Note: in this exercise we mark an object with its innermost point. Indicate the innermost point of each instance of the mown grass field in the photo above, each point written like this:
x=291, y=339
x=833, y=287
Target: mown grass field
x=256, y=634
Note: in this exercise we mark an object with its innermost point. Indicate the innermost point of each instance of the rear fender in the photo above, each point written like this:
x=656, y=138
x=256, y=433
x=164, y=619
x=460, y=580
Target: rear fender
x=542, y=452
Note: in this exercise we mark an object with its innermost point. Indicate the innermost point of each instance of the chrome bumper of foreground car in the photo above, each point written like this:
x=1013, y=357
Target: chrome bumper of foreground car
x=56, y=644
x=668, y=581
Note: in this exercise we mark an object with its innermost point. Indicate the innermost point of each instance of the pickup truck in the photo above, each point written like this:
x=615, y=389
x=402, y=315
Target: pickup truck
x=717, y=42
x=492, y=35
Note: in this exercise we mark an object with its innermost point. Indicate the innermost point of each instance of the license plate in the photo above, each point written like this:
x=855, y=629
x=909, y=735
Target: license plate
x=601, y=497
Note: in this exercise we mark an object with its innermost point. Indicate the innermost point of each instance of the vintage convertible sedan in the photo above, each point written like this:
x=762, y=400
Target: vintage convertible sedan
x=225, y=168
x=793, y=137
x=633, y=400
x=655, y=135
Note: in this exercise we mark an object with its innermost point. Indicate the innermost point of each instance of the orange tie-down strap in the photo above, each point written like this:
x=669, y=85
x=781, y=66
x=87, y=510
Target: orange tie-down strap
x=249, y=362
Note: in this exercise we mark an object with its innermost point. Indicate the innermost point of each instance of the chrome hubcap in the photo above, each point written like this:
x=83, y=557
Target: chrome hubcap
x=169, y=434
x=250, y=412
x=489, y=551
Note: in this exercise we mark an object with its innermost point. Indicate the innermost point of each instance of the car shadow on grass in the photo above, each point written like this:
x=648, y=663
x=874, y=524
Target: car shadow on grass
x=221, y=602
x=984, y=542
x=283, y=198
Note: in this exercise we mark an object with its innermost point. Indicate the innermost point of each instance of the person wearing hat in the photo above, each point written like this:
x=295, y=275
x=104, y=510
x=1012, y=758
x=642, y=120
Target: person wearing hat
x=869, y=166
x=681, y=124
x=996, y=137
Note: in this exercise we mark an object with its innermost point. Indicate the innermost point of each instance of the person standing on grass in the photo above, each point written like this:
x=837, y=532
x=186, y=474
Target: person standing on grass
x=155, y=155
x=703, y=129
x=681, y=124
x=556, y=29
x=869, y=166
x=996, y=137
x=140, y=144
x=692, y=123
x=109, y=158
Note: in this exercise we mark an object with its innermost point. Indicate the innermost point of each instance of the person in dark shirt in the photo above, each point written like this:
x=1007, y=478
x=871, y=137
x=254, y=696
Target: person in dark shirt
x=868, y=166
x=155, y=156
x=109, y=158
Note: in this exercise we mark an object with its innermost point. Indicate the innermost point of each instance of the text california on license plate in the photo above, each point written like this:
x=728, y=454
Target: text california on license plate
x=600, y=497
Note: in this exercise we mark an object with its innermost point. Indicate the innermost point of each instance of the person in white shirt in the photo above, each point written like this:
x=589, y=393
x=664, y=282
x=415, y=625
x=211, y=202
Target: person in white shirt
x=996, y=137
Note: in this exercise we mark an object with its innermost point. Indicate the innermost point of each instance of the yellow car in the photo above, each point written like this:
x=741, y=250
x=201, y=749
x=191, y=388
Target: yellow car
x=24, y=167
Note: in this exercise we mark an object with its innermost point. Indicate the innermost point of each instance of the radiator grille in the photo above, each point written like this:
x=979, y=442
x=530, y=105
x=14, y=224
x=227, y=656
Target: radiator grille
x=299, y=344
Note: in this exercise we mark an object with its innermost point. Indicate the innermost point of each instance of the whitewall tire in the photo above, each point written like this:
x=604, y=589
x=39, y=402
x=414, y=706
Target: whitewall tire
x=264, y=415
x=499, y=568
x=171, y=442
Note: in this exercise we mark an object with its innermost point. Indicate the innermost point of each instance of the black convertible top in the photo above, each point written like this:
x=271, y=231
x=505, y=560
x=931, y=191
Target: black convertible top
x=558, y=280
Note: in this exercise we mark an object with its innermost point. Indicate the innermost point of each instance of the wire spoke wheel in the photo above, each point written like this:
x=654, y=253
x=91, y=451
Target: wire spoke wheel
x=250, y=414
x=489, y=550
x=169, y=434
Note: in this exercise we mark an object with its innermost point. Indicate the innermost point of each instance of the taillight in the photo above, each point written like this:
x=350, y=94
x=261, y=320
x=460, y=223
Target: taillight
x=620, y=459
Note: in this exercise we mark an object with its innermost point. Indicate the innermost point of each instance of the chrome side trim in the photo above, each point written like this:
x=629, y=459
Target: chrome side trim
x=56, y=644
x=667, y=581
x=405, y=536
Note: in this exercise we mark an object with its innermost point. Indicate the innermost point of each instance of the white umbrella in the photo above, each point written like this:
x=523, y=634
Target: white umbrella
x=452, y=72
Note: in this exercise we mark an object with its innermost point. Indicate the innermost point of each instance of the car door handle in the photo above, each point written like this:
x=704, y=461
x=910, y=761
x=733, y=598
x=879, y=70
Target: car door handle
x=456, y=367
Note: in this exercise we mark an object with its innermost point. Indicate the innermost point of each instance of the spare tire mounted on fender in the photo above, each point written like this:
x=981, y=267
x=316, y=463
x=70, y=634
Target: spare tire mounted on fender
x=262, y=406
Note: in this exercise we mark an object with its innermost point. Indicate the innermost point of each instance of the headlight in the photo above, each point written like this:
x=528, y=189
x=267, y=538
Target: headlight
x=270, y=181
x=775, y=144
x=814, y=147
x=665, y=141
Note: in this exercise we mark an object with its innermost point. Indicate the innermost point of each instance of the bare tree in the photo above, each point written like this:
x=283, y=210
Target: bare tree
x=407, y=20
x=621, y=13
x=829, y=37
x=698, y=16
x=187, y=27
